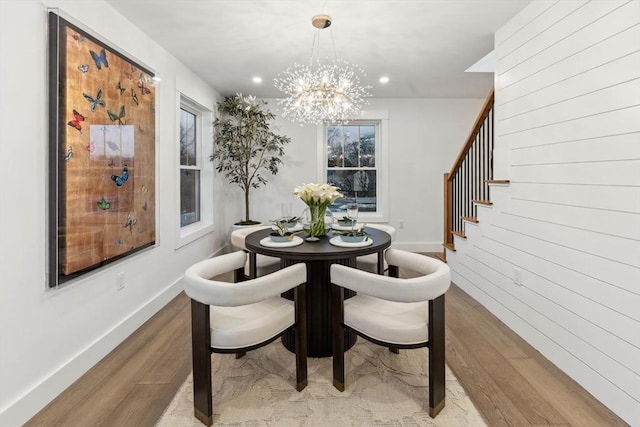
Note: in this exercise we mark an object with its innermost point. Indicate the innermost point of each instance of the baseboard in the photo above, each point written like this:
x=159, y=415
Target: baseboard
x=419, y=247
x=25, y=407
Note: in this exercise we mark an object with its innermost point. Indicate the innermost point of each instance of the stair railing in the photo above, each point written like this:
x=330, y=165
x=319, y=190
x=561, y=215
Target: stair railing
x=467, y=180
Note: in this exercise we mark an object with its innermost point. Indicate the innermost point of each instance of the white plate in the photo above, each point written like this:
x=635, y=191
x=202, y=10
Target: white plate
x=337, y=241
x=271, y=244
x=297, y=227
x=337, y=226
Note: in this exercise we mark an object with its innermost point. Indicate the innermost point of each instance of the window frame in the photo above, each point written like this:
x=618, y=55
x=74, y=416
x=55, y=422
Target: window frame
x=197, y=160
x=380, y=119
x=204, y=127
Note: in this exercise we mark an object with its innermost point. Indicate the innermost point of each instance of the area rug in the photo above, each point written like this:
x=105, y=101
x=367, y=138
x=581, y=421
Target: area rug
x=382, y=389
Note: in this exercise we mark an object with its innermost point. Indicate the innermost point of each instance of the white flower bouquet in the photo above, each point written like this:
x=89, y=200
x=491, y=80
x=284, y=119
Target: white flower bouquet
x=318, y=197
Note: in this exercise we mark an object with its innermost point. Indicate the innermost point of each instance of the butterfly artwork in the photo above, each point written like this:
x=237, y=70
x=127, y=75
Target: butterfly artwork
x=111, y=163
x=91, y=147
x=77, y=118
x=83, y=67
x=119, y=242
x=128, y=75
x=113, y=116
x=144, y=189
x=120, y=88
x=79, y=38
x=134, y=96
x=144, y=207
x=143, y=89
x=103, y=204
x=112, y=146
x=69, y=154
x=124, y=177
x=100, y=59
x=94, y=102
x=130, y=222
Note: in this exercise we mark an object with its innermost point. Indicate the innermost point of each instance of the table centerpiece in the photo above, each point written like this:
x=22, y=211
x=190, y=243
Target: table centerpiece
x=317, y=197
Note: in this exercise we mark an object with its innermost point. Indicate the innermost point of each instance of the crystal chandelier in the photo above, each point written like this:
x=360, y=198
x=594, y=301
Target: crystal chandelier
x=322, y=92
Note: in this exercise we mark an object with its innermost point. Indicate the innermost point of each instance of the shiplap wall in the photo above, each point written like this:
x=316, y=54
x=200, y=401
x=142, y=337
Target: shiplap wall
x=568, y=137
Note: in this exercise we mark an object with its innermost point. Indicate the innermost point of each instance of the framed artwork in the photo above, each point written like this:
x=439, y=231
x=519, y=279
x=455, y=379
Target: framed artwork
x=101, y=153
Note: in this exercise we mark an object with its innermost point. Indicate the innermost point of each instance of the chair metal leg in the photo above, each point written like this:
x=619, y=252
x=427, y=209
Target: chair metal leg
x=436, y=356
x=337, y=319
x=380, y=266
x=201, y=352
x=238, y=275
x=253, y=265
x=394, y=271
x=300, y=296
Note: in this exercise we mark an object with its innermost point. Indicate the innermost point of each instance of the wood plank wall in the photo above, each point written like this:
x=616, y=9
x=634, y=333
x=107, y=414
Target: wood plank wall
x=568, y=127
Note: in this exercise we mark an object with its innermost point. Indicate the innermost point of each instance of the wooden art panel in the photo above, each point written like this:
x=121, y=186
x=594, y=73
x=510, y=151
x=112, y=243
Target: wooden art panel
x=102, y=154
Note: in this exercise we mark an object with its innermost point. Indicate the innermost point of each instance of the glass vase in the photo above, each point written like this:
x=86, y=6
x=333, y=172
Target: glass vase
x=316, y=226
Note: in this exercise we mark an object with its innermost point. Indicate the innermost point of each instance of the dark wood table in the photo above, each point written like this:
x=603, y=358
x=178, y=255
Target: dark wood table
x=318, y=256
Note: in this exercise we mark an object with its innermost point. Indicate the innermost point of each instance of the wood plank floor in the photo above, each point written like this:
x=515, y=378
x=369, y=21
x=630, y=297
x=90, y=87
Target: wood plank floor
x=508, y=380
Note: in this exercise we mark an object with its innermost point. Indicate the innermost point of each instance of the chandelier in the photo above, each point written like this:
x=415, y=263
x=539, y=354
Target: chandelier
x=327, y=92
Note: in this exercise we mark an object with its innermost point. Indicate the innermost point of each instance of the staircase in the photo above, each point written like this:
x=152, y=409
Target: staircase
x=467, y=184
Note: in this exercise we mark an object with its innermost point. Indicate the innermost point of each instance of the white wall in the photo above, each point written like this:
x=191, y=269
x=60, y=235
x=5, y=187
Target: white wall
x=568, y=126
x=425, y=136
x=49, y=338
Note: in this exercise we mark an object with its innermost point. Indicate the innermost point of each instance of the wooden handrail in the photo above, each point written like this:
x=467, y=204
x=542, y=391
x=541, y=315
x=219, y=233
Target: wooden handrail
x=466, y=185
x=484, y=112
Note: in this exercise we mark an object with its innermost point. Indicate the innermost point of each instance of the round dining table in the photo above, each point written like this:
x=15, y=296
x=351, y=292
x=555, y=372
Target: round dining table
x=318, y=257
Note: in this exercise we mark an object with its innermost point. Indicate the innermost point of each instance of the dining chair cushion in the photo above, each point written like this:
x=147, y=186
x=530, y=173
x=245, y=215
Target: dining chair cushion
x=248, y=325
x=388, y=321
x=239, y=235
x=433, y=281
x=370, y=262
x=264, y=264
x=200, y=288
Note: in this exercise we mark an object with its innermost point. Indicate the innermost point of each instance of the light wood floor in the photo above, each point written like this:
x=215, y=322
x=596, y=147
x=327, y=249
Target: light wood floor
x=509, y=381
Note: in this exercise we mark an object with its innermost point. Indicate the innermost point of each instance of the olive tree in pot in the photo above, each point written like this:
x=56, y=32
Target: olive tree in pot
x=245, y=146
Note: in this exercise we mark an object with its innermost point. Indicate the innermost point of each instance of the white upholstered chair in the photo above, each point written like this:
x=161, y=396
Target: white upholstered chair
x=264, y=264
x=393, y=312
x=370, y=262
x=239, y=317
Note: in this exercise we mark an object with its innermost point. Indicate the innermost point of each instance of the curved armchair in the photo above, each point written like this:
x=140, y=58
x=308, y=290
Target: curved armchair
x=395, y=313
x=370, y=262
x=239, y=317
x=263, y=264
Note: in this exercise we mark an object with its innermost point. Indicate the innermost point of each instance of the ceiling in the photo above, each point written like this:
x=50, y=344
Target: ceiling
x=423, y=46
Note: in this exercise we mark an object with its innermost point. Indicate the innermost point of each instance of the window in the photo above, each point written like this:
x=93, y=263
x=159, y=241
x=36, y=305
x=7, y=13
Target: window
x=354, y=161
x=189, y=167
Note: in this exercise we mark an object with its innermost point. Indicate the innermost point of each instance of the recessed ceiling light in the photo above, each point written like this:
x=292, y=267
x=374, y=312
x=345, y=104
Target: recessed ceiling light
x=384, y=79
x=257, y=79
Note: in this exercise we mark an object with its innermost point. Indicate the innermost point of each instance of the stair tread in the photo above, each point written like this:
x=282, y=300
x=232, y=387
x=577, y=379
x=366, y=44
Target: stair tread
x=450, y=246
x=442, y=256
x=483, y=202
x=470, y=219
x=459, y=234
x=497, y=181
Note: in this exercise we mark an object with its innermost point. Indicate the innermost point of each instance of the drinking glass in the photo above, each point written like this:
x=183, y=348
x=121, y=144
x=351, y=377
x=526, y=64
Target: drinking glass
x=306, y=220
x=329, y=219
x=352, y=214
x=285, y=210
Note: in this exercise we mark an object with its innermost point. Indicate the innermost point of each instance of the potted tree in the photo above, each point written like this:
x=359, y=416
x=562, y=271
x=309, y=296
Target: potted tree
x=245, y=146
